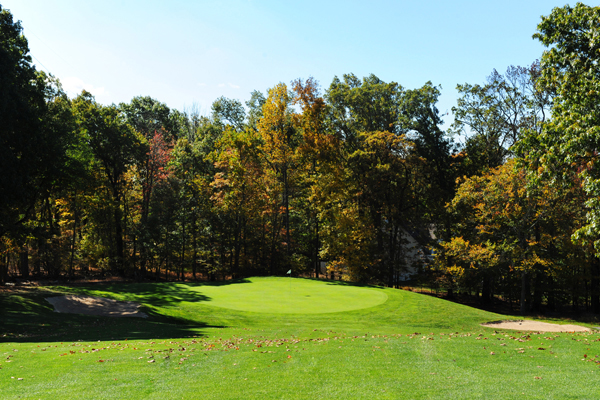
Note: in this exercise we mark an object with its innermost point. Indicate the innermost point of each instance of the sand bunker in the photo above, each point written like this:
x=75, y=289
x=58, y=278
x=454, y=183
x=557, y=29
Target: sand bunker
x=535, y=326
x=91, y=305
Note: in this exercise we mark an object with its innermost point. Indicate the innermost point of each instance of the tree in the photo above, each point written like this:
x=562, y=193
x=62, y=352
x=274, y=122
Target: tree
x=507, y=229
x=570, y=68
x=568, y=144
x=380, y=175
x=255, y=106
x=115, y=146
x=25, y=147
x=495, y=116
x=370, y=105
x=420, y=121
x=35, y=134
x=279, y=144
x=147, y=116
x=229, y=112
x=316, y=152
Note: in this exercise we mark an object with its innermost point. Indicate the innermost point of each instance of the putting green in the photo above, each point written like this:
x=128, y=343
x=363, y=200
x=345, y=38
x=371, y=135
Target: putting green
x=290, y=296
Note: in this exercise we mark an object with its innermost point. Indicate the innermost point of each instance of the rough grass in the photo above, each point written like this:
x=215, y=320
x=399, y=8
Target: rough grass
x=193, y=346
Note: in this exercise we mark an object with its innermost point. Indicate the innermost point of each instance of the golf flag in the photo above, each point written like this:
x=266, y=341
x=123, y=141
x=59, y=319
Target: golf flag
x=289, y=272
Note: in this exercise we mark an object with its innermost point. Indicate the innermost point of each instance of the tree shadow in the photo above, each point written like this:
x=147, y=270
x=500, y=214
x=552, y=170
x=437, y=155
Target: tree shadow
x=157, y=294
x=25, y=316
x=219, y=283
x=154, y=293
x=343, y=283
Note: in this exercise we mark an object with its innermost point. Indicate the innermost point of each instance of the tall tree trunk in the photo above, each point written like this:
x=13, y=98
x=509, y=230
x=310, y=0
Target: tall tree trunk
x=37, y=265
x=195, y=250
x=118, y=264
x=3, y=269
x=24, y=261
x=595, y=285
x=273, y=245
x=73, y=239
x=524, y=290
x=287, y=213
x=486, y=290
x=182, y=257
x=317, y=261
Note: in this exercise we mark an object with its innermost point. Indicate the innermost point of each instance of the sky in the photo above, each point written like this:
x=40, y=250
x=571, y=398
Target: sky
x=189, y=53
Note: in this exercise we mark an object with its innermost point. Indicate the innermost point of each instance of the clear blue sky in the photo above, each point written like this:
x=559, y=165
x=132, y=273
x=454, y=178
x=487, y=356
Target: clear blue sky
x=191, y=52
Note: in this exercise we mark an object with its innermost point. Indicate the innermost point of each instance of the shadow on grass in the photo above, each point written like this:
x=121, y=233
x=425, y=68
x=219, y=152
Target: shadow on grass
x=25, y=316
x=342, y=283
x=159, y=294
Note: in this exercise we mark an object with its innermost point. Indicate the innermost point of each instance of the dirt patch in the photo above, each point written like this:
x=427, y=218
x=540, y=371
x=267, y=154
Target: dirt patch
x=537, y=326
x=90, y=305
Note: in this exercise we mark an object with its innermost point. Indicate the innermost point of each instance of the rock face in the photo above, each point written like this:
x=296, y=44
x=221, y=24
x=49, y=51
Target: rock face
x=90, y=305
x=537, y=326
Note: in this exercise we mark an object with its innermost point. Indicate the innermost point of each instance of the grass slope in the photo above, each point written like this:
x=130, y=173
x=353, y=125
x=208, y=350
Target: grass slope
x=199, y=344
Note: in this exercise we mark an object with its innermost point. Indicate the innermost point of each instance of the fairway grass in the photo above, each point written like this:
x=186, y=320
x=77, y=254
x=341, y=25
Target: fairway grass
x=199, y=344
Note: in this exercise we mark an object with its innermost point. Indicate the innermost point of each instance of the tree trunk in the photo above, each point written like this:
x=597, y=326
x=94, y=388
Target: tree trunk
x=195, y=250
x=287, y=214
x=317, y=261
x=24, y=262
x=486, y=290
x=524, y=290
x=595, y=285
x=73, y=241
x=3, y=269
x=536, y=304
x=118, y=262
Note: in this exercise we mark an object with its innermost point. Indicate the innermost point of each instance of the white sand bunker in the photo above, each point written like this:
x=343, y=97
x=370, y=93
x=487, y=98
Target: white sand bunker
x=91, y=305
x=537, y=326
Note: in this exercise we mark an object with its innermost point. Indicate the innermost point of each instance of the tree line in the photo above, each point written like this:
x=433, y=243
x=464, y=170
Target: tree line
x=505, y=199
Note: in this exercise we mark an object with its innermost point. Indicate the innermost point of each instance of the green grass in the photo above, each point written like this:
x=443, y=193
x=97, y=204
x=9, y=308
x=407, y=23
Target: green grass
x=290, y=296
x=233, y=340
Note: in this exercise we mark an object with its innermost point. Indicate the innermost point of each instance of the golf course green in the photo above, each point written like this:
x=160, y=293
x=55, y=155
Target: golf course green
x=276, y=338
x=290, y=296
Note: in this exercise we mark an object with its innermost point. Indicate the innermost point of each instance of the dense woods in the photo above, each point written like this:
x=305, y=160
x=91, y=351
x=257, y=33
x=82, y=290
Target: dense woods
x=336, y=181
